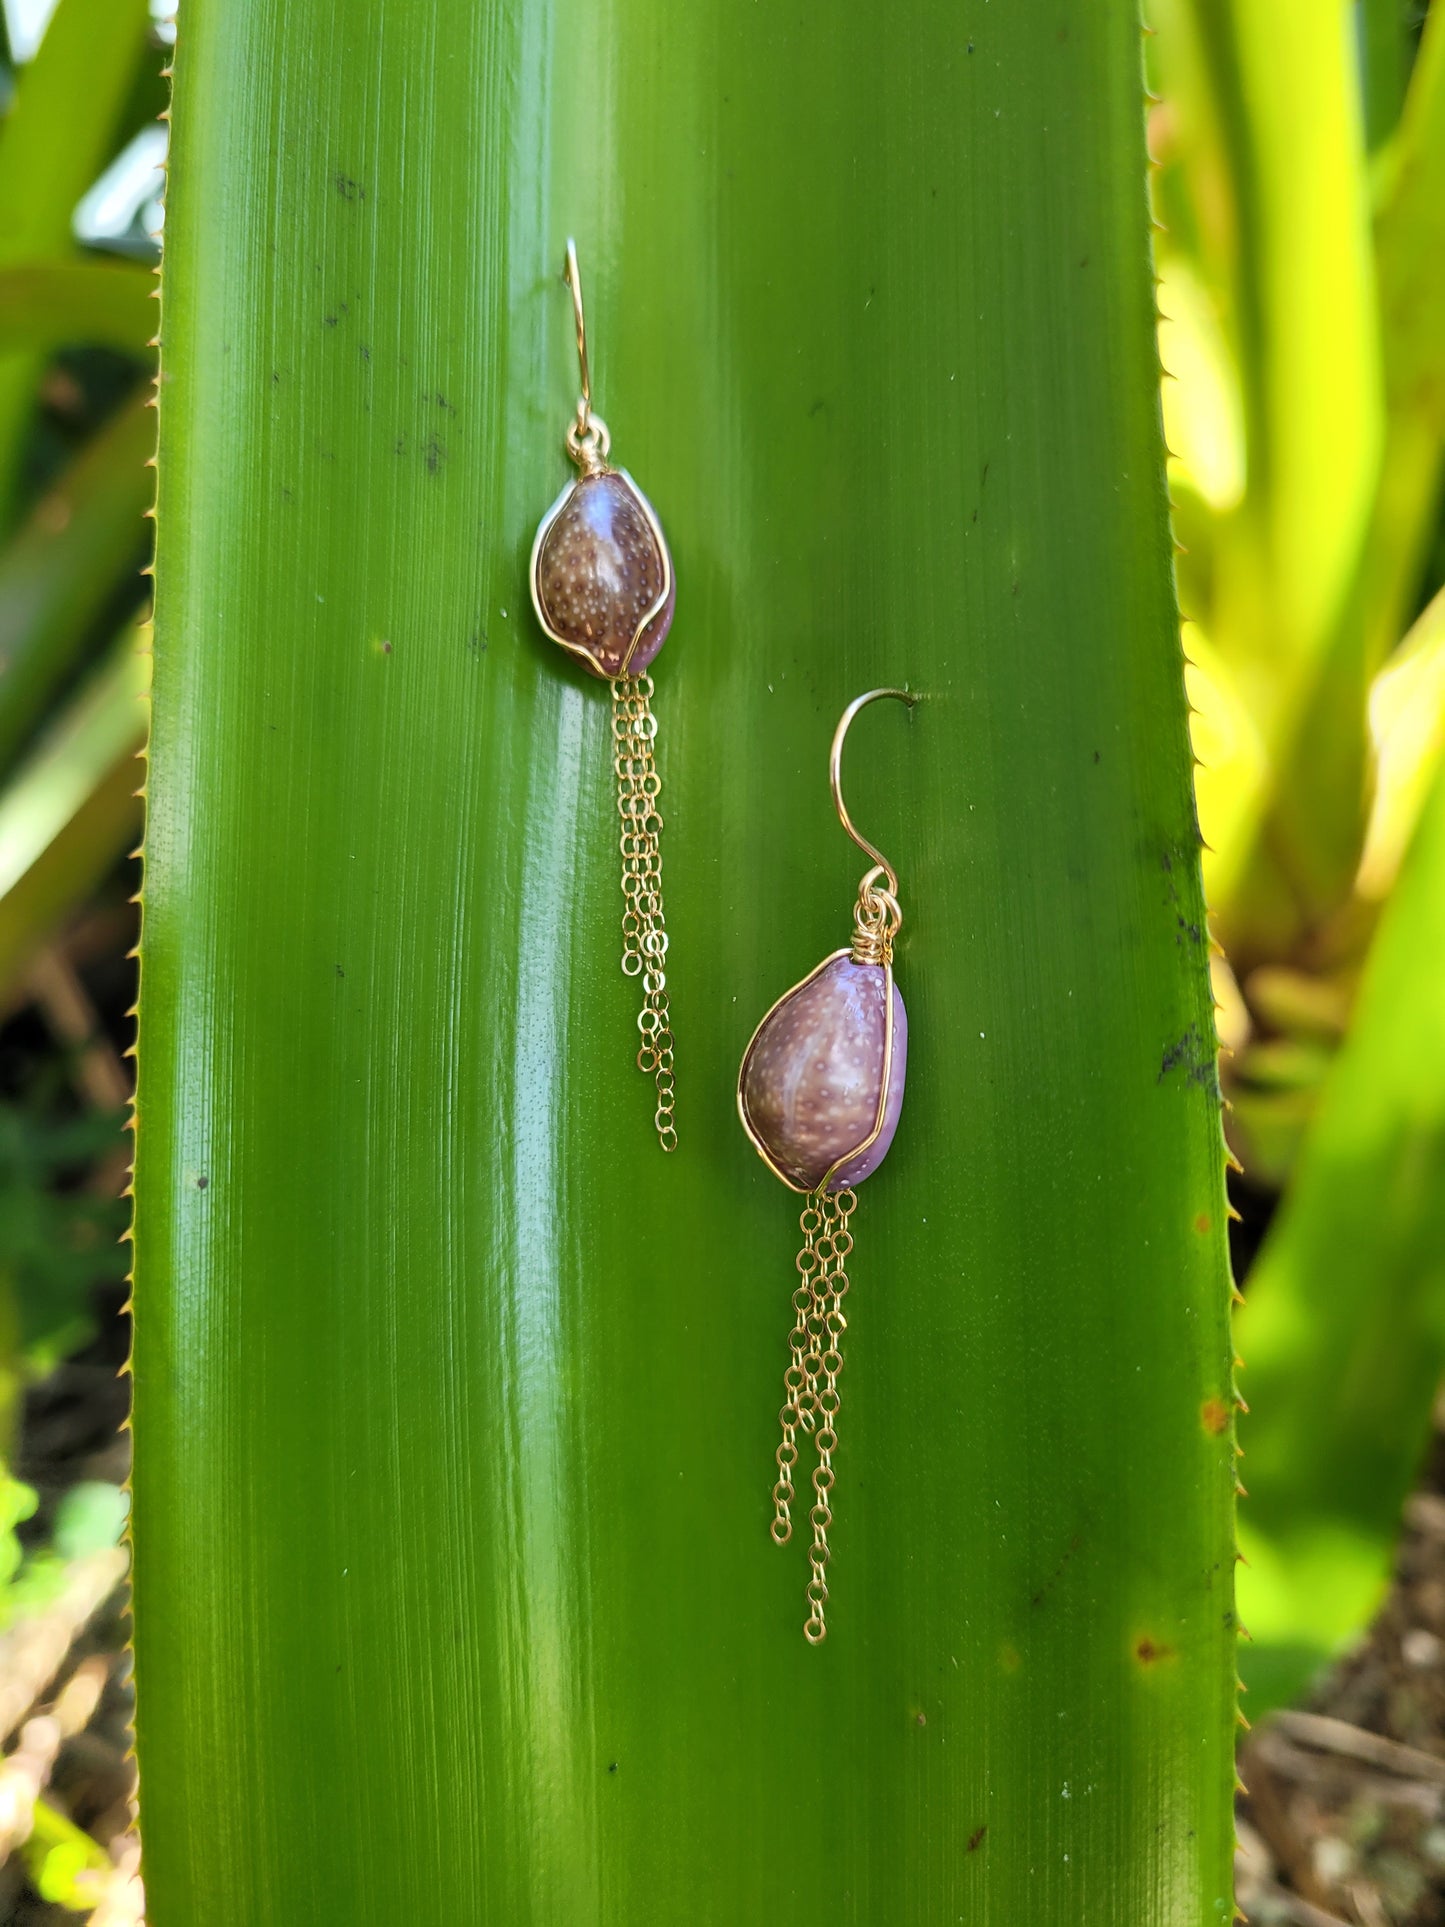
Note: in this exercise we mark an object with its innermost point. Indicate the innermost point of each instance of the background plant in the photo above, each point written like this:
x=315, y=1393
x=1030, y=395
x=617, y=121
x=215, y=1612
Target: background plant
x=1302, y=257
x=75, y=438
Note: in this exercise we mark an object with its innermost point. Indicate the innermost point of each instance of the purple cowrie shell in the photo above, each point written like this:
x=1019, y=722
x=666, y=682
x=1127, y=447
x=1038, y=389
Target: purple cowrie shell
x=822, y=1080
x=602, y=578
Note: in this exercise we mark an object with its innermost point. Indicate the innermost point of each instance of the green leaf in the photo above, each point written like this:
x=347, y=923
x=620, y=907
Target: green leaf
x=90, y=1518
x=55, y=140
x=52, y=302
x=456, y=1399
x=1407, y=716
x=1273, y=152
x=1344, y=1334
x=70, y=809
x=1410, y=245
x=1383, y=48
x=1411, y=240
x=61, y=573
x=65, y=1865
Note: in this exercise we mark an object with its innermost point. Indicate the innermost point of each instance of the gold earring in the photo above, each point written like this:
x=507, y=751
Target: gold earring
x=820, y=1090
x=603, y=589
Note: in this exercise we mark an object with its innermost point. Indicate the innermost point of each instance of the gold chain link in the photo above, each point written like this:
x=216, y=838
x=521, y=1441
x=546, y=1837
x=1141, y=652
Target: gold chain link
x=811, y=1400
x=644, y=932
x=797, y=1398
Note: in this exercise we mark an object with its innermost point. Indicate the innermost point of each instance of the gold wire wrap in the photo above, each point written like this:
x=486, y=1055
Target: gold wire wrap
x=644, y=932
x=811, y=1400
x=877, y=920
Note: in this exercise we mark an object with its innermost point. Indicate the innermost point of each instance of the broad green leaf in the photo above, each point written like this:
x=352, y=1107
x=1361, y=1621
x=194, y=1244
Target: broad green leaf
x=69, y=810
x=55, y=139
x=49, y=303
x=61, y=572
x=455, y=1399
x=1344, y=1333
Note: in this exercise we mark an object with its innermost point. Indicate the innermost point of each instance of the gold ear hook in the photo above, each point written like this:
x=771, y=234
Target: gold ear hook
x=572, y=275
x=587, y=437
x=835, y=778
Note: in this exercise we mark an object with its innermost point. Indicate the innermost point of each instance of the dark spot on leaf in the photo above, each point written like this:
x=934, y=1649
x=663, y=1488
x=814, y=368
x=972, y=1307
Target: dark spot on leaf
x=400, y=445
x=436, y=454
x=969, y=47
x=1084, y=261
x=1058, y=1572
x=364, y=352
x=1214, y=1416
x=612, y=1766
x=386, y=648
x=442, y=402
x=275, y=376
x=330, y=321
x=339, y=971
x=920, y=1719
x=202, y=1181
x=975, y=1839
x=348, y=189
x=1149, y=1652
x=1096, y=756
x=1193, y=1055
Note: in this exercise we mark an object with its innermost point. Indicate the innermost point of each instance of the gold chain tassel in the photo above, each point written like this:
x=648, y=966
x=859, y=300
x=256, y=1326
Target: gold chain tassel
x=644, y=932
x=811, y=1399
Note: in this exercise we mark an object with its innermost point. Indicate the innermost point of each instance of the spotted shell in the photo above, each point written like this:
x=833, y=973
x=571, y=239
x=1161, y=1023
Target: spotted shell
x=602, y=580
x=821, y=1084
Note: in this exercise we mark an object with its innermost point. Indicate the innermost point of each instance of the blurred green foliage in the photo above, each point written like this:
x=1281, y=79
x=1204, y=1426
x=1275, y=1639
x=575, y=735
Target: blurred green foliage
x=1301, y=196
x=75, y=440
x=57, y=1239
x=65, y=1865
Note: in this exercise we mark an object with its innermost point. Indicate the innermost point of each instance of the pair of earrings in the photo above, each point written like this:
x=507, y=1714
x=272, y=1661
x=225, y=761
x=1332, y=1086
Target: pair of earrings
x=820, y=1088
